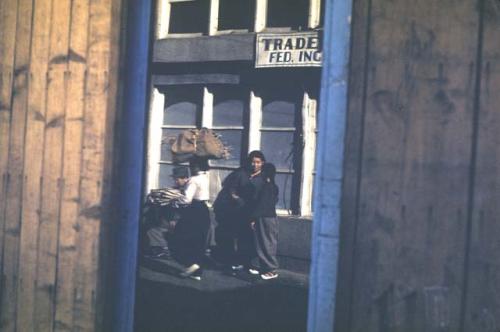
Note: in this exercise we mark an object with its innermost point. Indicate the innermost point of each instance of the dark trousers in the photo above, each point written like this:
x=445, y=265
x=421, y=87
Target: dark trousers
x=266, y=243
x=245, y=244
x=234, y=238
x=225, y=238
x=156, y=234
x=190, y=235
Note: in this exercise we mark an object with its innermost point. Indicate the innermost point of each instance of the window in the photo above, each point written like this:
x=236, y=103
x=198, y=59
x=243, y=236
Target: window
x=281, y=141
x=188, y=16
x=229, y=119
x=287, y=13
x=273, y=118
x=176, y=18
x=236, y=14
x=182, y=110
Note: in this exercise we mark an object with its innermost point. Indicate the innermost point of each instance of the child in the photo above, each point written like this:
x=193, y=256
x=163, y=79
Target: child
x=265, y=224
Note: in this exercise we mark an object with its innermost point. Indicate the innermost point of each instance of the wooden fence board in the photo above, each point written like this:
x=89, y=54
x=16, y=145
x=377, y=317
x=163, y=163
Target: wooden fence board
x=52, y=165
x=104, y=253
x=93, y=158
x=483, y=298
x=73, y=131
x=34, y=142
x=15, y=167
x=415, y=159
x=353, y=148
x=8, y=24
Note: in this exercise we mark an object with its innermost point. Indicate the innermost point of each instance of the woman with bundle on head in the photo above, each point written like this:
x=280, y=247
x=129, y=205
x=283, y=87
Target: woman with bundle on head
x=189, y=242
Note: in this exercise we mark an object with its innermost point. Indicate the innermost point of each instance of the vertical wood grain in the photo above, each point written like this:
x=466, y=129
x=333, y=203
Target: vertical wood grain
x=97, y=103
x=416, y=155
x=15, y=166
x=482, y=306
x=8, y=25
x=72, y=155
x=52, y=165
x=33, y=155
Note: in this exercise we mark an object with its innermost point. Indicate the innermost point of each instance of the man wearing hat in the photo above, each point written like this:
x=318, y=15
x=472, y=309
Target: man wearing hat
x=162, y=217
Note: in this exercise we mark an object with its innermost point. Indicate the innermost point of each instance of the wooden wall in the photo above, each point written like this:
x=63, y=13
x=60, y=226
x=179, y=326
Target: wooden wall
x=420, y=248
x=58, y=65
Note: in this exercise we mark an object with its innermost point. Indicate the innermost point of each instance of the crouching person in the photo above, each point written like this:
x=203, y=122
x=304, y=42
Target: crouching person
x=163, y=214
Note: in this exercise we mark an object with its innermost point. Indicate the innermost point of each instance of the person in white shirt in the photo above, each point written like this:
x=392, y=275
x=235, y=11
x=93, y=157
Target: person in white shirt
x=192, y=228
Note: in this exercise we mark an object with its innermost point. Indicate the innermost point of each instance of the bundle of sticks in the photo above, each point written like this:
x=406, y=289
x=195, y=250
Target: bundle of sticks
x=163, y=197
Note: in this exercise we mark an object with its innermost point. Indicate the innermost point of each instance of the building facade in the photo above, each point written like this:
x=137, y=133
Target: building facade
x=250, y=70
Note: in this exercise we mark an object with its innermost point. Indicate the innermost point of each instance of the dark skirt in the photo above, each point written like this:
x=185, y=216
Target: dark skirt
x=189, y=239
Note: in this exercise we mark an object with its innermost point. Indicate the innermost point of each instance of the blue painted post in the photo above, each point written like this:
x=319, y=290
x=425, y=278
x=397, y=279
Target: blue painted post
x=329, y=165
x=131, y=163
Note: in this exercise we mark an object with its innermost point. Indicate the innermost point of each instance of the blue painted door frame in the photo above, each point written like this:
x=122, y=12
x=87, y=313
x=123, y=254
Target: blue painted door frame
x=329, y=163
x=132, y=143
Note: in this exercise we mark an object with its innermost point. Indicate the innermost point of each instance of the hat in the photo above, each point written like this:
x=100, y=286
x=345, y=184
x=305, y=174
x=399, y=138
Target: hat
x=180, y=172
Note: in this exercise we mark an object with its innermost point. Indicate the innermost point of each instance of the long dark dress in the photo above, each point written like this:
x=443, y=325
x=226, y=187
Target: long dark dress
x=189, y=238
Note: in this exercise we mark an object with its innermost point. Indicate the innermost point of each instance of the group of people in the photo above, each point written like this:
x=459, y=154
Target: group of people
x=246, y=233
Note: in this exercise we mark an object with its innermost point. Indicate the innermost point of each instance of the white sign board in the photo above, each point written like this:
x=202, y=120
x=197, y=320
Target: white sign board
x=299, y=49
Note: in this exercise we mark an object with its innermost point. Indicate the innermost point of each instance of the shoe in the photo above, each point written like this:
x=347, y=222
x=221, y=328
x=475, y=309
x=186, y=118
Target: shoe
x=190, y=270
x=158, y=253
x=269, y=275
x=253, y=271
x=237, y=267
x=196, y=275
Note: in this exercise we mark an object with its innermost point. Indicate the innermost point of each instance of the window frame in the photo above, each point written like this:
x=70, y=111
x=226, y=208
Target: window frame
x=252, y=129
x=163, y=10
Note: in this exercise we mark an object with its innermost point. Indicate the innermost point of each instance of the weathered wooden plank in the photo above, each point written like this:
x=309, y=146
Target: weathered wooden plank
x=353, y=152
x=69, y=227
x=33, y=156
x=15, y=166
x=111, y=147
x=8, y=20
x=483, y=296
x=96, y=115
x=52, y=183
x=415, y=158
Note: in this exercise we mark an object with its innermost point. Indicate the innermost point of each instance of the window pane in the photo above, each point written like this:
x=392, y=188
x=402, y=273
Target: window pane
x=236, y=14
x=189, y=16
x=182, y=105
x=229, y=107
x=166, y=154
x=284, y=183
x=278, y=113
x=278, y=147
x=233, y=140
x=287, y=13
x=165, y=179
x=217, y=176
